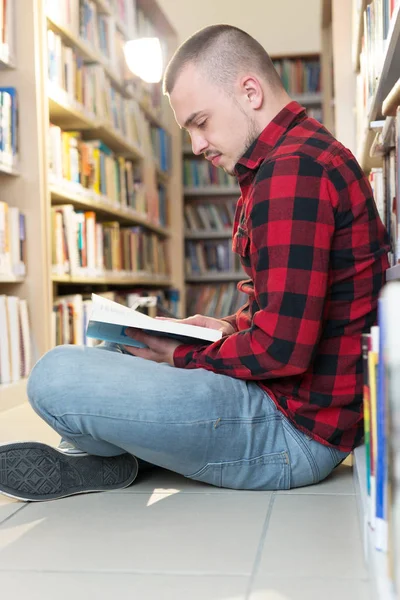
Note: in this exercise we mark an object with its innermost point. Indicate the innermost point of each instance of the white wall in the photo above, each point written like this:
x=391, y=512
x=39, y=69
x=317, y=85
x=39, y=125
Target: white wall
x=344, y=77
x=281, y=26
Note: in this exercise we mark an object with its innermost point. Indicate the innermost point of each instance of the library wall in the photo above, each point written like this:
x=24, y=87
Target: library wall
x=344, y=76
x=267, y=20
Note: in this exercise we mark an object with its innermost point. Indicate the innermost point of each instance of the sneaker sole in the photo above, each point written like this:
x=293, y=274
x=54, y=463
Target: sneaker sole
x=35, y=472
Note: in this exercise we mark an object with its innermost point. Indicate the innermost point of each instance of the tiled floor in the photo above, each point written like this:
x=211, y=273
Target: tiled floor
x=167, y=538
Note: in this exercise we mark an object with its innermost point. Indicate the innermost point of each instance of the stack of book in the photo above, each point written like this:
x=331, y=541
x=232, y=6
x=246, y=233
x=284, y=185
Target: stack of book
x=381, y=356
x=214, y=300
x=201, y=173
x=94, y=167
x=71, y=313
x=210, y=256
x=299, y=75
x=15, y=340
x=82, y=246
x=8, y=128
x=12, y=241
x=209, y=217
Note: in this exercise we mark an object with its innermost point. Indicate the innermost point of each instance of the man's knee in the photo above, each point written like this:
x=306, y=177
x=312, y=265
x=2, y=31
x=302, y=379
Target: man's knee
x=50, y=375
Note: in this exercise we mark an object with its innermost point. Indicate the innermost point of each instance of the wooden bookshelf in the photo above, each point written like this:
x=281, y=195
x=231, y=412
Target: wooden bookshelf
x=115, y=278
x=375, y=148
x=90, y=201
x=29, y=186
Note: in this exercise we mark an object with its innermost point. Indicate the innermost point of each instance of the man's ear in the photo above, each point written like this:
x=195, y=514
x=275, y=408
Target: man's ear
x=252, y=92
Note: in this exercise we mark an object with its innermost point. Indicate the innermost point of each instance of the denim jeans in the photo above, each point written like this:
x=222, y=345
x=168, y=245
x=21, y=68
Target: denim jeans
x=205, y=426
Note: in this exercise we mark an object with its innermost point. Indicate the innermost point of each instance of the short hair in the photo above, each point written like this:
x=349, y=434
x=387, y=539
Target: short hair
x=222, y=51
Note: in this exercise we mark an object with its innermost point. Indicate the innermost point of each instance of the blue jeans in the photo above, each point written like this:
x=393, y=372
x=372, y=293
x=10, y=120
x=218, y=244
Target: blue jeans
x=205, y=426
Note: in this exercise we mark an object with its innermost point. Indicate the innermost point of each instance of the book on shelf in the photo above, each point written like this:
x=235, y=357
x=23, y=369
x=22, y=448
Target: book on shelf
x=377, y=21
x=7, y=31
x=214, y=300
x=83, y=246
x=210, y=216
x=299, y=75
x=71, y=313
x=9, y=127
x=210, y=256
x=201, y=173
x=385, y=183
x=12, y=241
x=83, y=166
x=381, y=361
x=109, y=320
x=15, y=341
x=161, y=148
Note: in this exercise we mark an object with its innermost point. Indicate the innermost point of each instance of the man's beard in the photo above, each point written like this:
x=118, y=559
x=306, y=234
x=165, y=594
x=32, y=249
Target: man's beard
x=251, y=136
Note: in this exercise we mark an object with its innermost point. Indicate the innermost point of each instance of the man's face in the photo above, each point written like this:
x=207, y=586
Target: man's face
x=218, y=125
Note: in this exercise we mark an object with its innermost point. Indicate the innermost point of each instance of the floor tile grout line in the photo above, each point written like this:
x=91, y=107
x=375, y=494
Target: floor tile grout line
x=171, y=573
x=260, y=546
x=13, y=514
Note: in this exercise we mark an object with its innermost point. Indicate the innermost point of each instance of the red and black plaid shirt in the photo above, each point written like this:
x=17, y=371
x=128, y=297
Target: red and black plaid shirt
x=315, y=251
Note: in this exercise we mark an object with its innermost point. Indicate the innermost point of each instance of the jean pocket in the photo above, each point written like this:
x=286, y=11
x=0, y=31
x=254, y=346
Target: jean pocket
x=266, y=472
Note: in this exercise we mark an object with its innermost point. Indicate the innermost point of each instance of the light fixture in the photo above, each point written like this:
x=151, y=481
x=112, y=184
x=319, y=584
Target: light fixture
x=144, y=58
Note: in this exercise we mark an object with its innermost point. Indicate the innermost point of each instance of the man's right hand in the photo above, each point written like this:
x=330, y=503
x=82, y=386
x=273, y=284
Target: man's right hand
x=208, y=322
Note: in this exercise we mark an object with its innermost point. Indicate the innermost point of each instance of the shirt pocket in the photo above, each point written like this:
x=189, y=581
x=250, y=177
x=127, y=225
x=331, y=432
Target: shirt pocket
x=241, y=242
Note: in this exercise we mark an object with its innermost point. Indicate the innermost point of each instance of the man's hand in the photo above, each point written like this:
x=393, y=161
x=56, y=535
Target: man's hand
x=208, y=322
x=159, y=349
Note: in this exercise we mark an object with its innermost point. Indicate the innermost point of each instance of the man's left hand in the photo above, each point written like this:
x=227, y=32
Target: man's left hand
x=159, y=349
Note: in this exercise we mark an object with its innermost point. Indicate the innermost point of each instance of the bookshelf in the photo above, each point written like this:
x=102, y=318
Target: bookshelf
x=301, y=77
x=125, y=115
x=212, y=270
x=375, y=54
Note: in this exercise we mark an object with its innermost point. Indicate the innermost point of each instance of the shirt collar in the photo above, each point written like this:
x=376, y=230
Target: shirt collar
x=268, y=138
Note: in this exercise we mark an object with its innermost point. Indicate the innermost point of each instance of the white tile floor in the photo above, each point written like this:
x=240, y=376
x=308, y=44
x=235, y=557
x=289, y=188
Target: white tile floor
x=167, y=538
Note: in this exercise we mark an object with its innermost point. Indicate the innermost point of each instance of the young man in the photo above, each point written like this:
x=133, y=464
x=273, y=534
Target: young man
x=277, y=402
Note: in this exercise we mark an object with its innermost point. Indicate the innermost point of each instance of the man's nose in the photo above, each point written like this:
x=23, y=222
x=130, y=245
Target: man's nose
x=199, y=144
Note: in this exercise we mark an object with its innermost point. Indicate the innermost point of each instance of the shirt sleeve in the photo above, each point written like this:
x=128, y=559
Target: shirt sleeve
x=285, y=239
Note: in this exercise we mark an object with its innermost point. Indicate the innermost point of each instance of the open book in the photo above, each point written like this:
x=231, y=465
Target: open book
x=108, y=321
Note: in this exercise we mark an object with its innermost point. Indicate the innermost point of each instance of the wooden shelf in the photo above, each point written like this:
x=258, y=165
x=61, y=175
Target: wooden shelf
x=87, y=53
x=208, y=235
x=211, y=190
x=84, y=199
x=12, y=394
x=390, y=69
x=363, y=152
x=11, y=278
x=115, y=141
x=311, y=99
x=152, y=116
x=216, y=277
x=6, y=61
x=392, y=101
x=393, y=273
x=63, y=112
x=9, y=170
x=113, y=278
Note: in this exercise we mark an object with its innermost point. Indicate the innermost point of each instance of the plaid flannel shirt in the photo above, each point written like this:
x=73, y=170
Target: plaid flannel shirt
x=315, y=253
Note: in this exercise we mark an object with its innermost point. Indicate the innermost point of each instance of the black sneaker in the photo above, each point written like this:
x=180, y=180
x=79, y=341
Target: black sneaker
x=32, y=471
